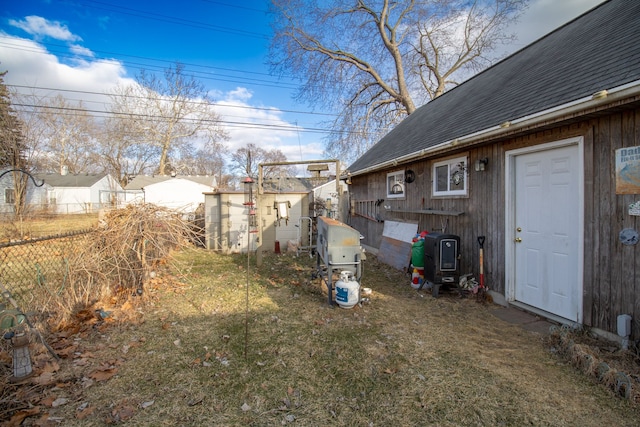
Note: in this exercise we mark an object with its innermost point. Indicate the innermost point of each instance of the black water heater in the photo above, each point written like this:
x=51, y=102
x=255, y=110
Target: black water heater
x=441, y=257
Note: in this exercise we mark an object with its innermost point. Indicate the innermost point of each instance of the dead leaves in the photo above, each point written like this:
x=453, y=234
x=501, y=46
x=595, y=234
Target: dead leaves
x=204, y=360
x=21, y=415
x=104, y=372
x=84, y=411
x=123, y=411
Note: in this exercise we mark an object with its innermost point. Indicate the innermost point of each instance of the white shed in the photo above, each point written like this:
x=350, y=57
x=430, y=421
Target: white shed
x=181, y=193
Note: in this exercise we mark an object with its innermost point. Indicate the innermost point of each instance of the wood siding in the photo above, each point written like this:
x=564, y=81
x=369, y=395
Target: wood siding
x=611, y=278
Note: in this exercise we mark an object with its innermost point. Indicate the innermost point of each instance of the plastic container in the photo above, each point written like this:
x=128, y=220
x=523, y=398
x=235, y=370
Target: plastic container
x=417, y=253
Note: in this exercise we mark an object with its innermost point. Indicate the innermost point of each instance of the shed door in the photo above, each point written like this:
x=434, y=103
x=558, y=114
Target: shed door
x=548, y=272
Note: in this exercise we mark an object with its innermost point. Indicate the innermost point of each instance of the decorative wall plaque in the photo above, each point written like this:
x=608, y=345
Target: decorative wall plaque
x=628, y=236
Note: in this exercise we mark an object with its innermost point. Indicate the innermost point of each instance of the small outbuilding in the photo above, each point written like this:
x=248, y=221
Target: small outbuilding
x=287, y=209
x=182, y=193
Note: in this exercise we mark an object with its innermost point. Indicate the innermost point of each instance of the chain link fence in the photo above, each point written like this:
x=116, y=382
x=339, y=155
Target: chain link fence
x=35, y=272
x=53, y=279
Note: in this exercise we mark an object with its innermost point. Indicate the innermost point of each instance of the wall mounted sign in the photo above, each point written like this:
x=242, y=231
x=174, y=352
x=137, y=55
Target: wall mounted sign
x=634, y=208
x=628, y=236
x=628, y=170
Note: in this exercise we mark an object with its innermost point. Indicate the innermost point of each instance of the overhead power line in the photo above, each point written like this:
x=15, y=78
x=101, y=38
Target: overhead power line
x=233, y=124
x=171, y=19
x=204, y=75
x=215, y=104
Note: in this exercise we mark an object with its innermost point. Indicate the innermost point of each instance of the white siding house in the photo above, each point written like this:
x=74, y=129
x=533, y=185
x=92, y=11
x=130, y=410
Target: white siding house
x=35, y=194
x=182, y=193
x=75, y=193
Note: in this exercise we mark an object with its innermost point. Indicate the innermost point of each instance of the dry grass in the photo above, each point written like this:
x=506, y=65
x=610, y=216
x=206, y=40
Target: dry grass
x=178, y=355
x=45, y=225
x=112, y=262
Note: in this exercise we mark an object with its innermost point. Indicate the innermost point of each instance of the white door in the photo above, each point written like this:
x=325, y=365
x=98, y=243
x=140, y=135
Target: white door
x=547, y=231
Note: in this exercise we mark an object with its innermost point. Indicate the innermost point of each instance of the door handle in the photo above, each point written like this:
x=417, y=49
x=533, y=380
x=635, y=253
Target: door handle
x=518, y=240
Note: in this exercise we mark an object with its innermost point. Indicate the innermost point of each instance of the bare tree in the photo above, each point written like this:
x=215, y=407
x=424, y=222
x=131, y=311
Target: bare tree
x=374, y=61
x=173, y=114
x=207, y=160
x=33, y=130
x=11, y=139
x=12, y=149
x=124, y=148
x=67, y=131
x=245, y=162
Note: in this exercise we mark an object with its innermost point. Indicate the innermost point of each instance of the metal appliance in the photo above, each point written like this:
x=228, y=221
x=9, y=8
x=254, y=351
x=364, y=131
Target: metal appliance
x=338, y=249
x=441, y=256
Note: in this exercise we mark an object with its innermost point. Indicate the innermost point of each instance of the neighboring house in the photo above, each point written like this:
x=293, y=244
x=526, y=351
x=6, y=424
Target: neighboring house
x=74, y=193
x=34, y=193
x=181, y=192
x=540, y=153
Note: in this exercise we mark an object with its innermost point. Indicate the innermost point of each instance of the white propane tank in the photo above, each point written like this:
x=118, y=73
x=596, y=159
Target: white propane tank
x=347, y=290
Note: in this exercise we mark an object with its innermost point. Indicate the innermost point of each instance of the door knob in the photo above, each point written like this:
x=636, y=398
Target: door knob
x=518, y=240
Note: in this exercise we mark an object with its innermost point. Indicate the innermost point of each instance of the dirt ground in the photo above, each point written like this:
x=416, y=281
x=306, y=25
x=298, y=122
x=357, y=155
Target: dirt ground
x=211, y=342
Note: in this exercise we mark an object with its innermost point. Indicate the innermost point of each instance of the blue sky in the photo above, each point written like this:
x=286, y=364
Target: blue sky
x=88, y=46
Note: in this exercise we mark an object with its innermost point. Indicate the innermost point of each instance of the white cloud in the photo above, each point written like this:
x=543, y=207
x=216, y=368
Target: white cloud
x=81, y=51
x=239, y=94
x=40, y=27
x=29, y=64
x=261, y=125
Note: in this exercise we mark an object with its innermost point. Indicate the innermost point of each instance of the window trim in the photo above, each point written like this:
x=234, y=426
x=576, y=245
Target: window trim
x=462, y=165
x=10, y=196
x=400, y=182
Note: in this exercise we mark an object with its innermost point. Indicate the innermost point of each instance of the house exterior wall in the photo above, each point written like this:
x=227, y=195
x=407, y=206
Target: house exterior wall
x=328, y=193
x=34, y=196
x=71, y=200
x=74, y=200
x=611, y=276
x=179, y=194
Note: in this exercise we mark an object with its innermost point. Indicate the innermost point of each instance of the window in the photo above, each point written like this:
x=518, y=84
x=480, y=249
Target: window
x=395, y=184
x=9, y=196
x=450, y=177
x=51, y=197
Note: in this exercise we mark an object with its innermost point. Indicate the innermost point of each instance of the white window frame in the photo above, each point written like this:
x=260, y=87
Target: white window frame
x=455, y=168
x=394, y=179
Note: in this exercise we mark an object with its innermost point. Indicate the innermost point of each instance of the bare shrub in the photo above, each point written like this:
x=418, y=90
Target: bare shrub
x=119, y=258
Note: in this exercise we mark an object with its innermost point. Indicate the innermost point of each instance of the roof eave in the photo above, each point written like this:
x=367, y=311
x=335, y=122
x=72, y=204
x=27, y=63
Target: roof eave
x=575, y=108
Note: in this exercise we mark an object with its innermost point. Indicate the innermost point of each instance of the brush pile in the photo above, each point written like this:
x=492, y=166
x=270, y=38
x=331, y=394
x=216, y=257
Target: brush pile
x=122, y=254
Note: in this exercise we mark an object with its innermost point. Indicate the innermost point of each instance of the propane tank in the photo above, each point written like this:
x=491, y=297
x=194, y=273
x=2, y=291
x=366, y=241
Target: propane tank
x=347, y=290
